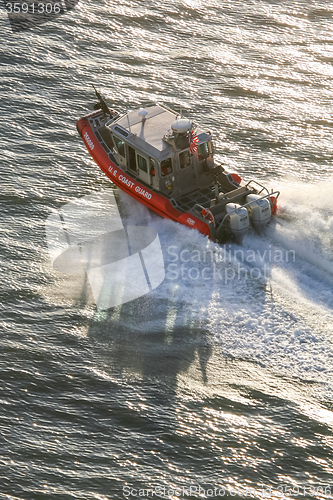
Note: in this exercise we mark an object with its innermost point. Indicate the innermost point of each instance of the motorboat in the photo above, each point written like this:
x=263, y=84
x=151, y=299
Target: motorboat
x=166, y=162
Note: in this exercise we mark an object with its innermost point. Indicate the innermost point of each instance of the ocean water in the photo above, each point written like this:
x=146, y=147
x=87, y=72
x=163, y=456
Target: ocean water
x=218, y=383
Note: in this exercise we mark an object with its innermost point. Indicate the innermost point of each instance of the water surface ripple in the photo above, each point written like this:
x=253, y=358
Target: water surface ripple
x=199, y=383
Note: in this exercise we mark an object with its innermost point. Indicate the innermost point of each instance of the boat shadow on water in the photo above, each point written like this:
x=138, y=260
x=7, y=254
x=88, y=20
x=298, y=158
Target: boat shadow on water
x=164, y=293
x=176, y=326
x=140, y=338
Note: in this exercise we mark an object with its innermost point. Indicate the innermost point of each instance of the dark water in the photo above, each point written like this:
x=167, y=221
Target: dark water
x=201, y=384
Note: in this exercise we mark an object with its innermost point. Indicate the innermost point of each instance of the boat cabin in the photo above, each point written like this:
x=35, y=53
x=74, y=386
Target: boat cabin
x=153, y=145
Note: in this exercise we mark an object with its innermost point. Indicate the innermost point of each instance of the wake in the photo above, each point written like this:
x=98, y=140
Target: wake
x=269, y=301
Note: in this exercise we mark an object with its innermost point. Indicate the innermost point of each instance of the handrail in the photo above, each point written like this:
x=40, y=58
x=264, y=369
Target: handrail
x=277, y=193
x=166, y=108
x=247, y=186
x=258, y=183
x=209, y=212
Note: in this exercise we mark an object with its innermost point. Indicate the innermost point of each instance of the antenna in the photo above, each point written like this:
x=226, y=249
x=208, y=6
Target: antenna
x=129, y=125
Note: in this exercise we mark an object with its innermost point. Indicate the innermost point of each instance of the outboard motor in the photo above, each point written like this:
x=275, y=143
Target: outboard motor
x=239, y=222
x=260, y=211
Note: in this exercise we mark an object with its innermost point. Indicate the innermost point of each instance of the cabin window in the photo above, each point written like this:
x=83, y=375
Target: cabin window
x=131, y=158
x=152, y=167
x=166, y=167
x=120, y=145
x=142, y=163
x=203, y=151
x=184, y=158
x=121, y=131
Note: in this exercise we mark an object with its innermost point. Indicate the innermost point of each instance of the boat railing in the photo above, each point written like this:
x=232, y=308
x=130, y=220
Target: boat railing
x=263, y=188
x=166, y=108
x=273, y=194
x=206, y=213
x=249, y=188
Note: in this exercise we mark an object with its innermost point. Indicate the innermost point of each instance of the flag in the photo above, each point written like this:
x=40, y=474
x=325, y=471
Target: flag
x=193, y=142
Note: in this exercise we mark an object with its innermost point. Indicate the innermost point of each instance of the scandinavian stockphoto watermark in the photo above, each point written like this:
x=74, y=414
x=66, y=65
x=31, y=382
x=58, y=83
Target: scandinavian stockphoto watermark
x=261, y=491
x=224, y=263
x=88, y=235
x=25, y=14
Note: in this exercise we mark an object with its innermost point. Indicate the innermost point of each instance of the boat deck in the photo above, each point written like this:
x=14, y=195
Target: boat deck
x=197, y=196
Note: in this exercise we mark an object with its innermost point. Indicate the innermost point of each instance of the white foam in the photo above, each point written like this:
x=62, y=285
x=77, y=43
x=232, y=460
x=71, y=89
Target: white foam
x=283, y=321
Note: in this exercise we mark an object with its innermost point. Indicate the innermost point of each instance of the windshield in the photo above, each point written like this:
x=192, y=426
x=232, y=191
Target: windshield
x=203, y=151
